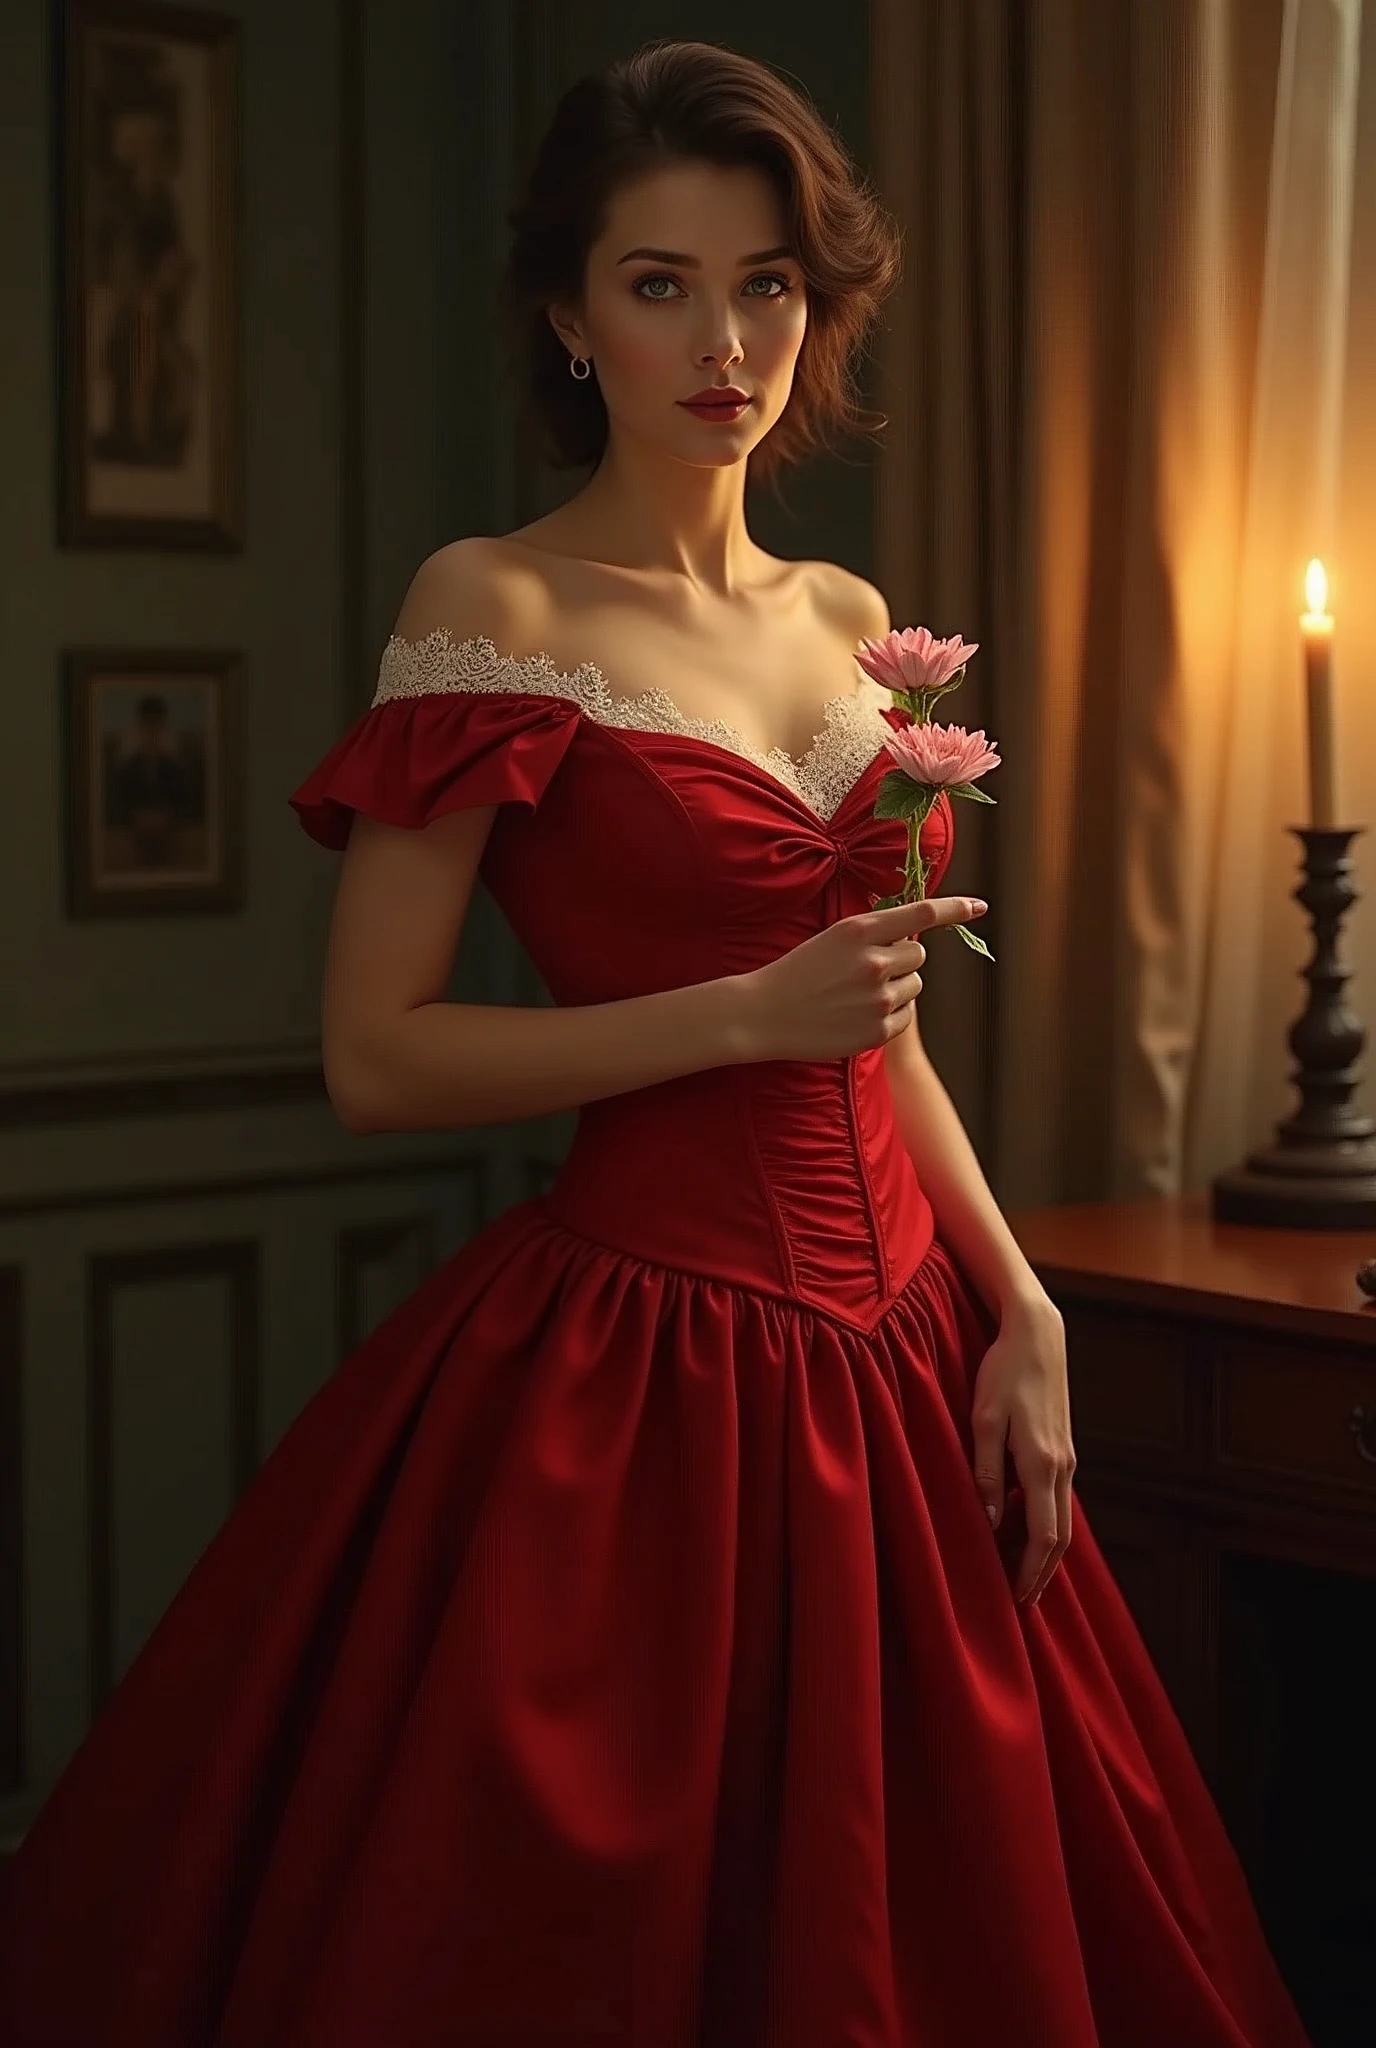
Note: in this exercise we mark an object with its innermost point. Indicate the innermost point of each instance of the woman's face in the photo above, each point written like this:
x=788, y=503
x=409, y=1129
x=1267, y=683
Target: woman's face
x=691, y=286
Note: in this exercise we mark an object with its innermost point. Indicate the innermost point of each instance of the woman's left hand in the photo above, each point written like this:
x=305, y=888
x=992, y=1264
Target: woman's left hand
x=1021, y=1399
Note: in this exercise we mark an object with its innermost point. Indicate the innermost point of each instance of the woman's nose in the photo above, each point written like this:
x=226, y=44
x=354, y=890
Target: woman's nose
x=722, y=347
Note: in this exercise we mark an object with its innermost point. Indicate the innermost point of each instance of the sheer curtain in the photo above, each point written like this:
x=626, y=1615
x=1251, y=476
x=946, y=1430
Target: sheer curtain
x=1129, y=378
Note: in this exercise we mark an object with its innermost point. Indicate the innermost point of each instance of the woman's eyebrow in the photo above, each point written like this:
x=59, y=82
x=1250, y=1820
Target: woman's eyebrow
x=676, y=256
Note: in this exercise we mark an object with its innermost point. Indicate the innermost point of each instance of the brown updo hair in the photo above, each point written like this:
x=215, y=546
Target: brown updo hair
x=675, y=102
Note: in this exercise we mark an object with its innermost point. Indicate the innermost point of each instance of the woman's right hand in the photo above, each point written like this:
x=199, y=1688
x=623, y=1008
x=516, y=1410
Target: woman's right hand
x=848, y=988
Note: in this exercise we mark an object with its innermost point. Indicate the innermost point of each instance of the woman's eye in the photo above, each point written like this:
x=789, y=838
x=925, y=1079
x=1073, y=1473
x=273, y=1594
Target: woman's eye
x=648, y=287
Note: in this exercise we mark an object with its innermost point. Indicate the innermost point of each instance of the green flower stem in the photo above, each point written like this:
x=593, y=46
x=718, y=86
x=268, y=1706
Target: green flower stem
x=915, y=872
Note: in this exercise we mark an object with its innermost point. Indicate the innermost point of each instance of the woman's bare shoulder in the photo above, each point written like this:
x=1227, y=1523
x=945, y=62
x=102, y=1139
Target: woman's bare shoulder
x=476, y=587
x=848, y=602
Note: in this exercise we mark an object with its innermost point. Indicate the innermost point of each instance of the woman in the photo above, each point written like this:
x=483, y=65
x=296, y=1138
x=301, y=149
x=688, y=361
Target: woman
x=617, y=1649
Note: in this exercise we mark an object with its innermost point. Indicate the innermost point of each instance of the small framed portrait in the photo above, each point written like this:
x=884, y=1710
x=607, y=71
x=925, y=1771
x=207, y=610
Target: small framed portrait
x=149, y=429
x=154, y=783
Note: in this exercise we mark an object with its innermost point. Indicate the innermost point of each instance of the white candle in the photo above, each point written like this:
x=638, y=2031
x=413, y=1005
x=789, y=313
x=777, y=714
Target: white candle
x=1316, y=624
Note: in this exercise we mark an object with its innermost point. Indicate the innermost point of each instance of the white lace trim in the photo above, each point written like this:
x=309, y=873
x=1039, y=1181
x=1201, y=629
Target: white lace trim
x=836, y=757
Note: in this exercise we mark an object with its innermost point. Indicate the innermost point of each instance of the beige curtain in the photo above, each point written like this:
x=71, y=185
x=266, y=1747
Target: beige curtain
x=1131, y=384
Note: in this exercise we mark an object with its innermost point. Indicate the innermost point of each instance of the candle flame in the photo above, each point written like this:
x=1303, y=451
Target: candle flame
x=1316, y=587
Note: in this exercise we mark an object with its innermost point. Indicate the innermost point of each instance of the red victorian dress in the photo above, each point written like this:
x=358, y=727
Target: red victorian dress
x=615, y=1653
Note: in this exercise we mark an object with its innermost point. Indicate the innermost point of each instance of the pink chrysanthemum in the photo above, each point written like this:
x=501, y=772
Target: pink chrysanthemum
x=913, y=660
x=941, y=755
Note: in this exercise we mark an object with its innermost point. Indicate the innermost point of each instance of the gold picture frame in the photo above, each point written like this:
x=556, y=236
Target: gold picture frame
x=154, y=782
x=148, y=212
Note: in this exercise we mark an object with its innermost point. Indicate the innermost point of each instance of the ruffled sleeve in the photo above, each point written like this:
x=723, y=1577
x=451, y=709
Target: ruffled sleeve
x=423, y=752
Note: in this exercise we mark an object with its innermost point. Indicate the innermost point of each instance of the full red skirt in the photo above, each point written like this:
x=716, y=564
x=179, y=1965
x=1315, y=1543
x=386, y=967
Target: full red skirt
x=611, y=1655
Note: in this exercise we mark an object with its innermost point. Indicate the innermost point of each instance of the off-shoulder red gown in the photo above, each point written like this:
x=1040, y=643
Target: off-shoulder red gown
x=615, y=1653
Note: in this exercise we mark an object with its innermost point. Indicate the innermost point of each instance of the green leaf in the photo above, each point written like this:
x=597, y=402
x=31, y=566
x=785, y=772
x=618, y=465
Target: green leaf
x=976, y=796
x=900, y=797
x=972, y=940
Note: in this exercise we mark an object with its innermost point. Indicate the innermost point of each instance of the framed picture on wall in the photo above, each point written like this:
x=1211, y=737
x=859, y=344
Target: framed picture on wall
x=148, y=217
x=154, y=783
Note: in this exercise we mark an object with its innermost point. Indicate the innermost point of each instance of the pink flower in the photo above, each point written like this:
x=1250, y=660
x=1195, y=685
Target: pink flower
x=913, y=660
x=941, y=755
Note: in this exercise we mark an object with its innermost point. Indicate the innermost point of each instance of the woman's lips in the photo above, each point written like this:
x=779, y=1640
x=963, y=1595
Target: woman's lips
x=715, y=409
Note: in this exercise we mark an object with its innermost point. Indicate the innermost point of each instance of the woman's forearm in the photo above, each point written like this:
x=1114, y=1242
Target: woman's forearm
x=968, y=1218
x=449, y=1066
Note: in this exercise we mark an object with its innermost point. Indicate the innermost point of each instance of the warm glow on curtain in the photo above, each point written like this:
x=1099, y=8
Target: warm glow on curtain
x=1128, y=398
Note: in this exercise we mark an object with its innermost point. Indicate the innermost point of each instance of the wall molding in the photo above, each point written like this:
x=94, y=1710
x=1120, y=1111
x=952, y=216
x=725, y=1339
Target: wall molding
x=149, y=1084
x=539, y=1174
x=283, y=1180
x=355, y=668
x=361, y=1245
x=236, y=1263
x=12, y=1735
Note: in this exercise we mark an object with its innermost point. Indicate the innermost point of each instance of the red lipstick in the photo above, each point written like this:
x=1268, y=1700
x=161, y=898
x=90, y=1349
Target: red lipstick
x=720, y=402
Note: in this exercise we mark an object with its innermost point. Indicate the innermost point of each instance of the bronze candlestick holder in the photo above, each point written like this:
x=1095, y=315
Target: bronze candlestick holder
x=1320, y=1173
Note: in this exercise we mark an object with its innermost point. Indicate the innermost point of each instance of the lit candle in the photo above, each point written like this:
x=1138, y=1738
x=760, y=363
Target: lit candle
x=1317, y=627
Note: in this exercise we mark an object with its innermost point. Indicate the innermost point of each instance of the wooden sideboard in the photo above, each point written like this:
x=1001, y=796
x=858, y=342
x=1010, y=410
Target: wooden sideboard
x=1223, y=1403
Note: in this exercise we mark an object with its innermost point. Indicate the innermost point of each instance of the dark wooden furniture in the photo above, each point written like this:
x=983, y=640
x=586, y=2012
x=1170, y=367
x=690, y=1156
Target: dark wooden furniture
x=1223, y=1401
